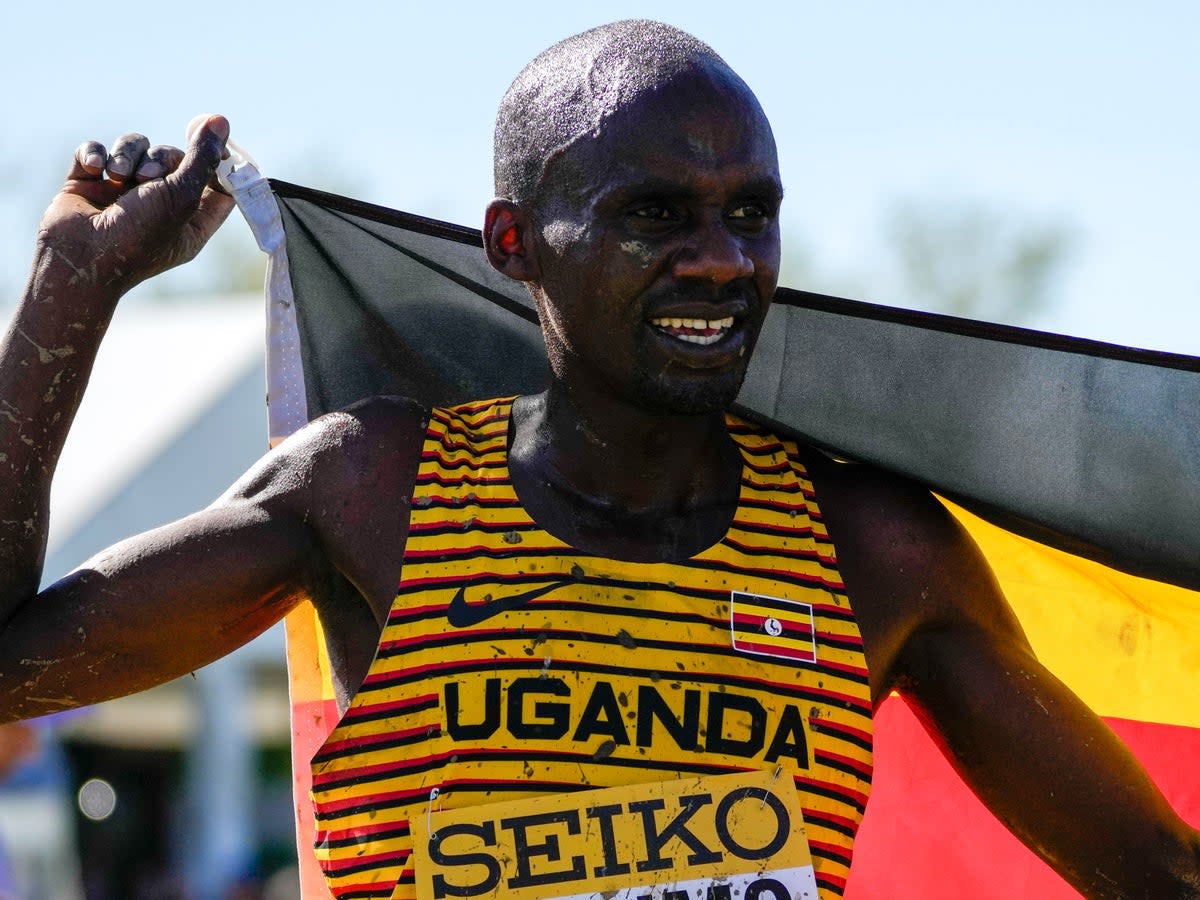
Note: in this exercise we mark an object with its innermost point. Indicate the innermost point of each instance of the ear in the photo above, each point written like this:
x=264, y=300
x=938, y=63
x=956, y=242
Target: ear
x=508, y=239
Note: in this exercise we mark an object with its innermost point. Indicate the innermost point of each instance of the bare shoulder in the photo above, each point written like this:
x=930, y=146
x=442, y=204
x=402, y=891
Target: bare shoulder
x=357, y=433
x=896, y=519
x=908, y=565
x=349, y=474
x=339, y=452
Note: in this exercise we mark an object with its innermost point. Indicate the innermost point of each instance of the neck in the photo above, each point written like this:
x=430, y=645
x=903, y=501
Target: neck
x=626, y=482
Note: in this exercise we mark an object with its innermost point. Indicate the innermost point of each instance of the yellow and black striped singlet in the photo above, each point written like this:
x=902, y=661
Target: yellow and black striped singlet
x=513, y=665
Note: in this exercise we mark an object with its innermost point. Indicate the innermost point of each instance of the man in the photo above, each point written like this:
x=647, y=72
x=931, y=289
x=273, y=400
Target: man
x=617, y=528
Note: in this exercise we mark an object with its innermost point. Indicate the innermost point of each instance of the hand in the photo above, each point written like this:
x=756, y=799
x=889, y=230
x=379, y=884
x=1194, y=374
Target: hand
x=123, y=217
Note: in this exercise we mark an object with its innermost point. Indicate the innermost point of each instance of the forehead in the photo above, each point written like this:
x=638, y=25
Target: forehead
x=701, y=133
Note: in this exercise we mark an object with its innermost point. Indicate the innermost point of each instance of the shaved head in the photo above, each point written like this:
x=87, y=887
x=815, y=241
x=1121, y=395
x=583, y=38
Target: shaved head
x=570, y=91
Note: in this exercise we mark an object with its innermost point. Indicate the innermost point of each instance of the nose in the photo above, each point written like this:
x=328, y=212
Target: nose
x=712, y=253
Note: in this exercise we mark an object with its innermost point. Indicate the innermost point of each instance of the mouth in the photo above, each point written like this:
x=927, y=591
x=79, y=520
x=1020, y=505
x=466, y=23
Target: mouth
x=703, y=332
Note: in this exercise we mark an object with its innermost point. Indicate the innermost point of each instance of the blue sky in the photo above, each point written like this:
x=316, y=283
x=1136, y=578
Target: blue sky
x=1062, y=112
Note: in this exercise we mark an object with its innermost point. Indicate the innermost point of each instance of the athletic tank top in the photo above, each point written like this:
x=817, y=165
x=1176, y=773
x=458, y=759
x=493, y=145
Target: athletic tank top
x=512, y=665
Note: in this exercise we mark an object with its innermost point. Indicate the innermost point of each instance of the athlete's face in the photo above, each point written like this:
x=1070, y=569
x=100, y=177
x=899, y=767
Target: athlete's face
x=659, y=248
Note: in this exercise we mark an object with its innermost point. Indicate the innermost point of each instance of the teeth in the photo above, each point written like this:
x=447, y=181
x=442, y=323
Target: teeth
x=696, y=324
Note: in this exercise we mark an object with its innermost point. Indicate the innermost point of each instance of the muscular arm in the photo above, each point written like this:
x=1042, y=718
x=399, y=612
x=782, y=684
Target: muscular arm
x=162, y=603
x=328, y=505
x=1049, y=769
x=938, y=629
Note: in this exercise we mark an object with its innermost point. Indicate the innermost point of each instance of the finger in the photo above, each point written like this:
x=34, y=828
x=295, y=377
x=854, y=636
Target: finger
x=89, y=160
x=194, y=126
x=205, y=150
x=158, y=162
x=215, y=206
x=126, y=156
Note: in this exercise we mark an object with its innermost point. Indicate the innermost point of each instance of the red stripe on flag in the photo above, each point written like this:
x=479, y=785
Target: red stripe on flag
x=926, y=836
x=800, y=653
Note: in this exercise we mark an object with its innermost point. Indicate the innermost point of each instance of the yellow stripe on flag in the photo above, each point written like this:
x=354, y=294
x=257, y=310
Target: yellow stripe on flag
x=1128, y=646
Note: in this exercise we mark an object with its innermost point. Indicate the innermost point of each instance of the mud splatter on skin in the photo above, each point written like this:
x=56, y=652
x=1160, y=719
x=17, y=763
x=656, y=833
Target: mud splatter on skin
x=52, y=391
x=640, y=252
x=60, y=702
x=47, y=354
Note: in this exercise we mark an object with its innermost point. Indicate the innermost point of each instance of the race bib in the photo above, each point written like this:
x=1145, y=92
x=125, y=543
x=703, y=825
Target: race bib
x=726, y=837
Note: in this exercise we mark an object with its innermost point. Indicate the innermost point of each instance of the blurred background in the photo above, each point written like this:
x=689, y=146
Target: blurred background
x=1031, y=163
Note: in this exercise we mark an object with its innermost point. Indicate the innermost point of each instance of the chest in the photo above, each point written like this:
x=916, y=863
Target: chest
x=723, y=663
x=513, y=666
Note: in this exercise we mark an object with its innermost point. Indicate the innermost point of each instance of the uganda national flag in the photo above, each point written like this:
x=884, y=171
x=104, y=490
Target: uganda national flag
x=773, y=626
x=1075, y=465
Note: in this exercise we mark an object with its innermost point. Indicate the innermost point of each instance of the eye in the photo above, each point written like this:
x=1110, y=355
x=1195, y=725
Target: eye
x=748, y=212
x=656, y=212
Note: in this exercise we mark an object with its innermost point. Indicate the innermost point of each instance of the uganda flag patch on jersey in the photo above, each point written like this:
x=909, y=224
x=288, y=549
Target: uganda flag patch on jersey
x=772, y=626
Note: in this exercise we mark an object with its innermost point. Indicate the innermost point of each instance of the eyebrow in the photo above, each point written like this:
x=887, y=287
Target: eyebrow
x=764, y=185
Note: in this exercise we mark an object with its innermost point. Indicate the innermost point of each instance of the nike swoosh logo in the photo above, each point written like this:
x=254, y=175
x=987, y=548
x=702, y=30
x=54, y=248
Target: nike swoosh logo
x=462, y=614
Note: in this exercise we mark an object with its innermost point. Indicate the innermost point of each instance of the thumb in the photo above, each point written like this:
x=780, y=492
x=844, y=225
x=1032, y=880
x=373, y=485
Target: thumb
x=206, y=148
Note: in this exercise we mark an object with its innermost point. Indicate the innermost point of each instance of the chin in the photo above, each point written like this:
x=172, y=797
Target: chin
x=689, y=396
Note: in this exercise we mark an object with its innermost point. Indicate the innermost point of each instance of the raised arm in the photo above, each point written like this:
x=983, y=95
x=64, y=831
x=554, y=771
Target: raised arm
x=325, y=509
x=118, y=220
x=935, y=620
